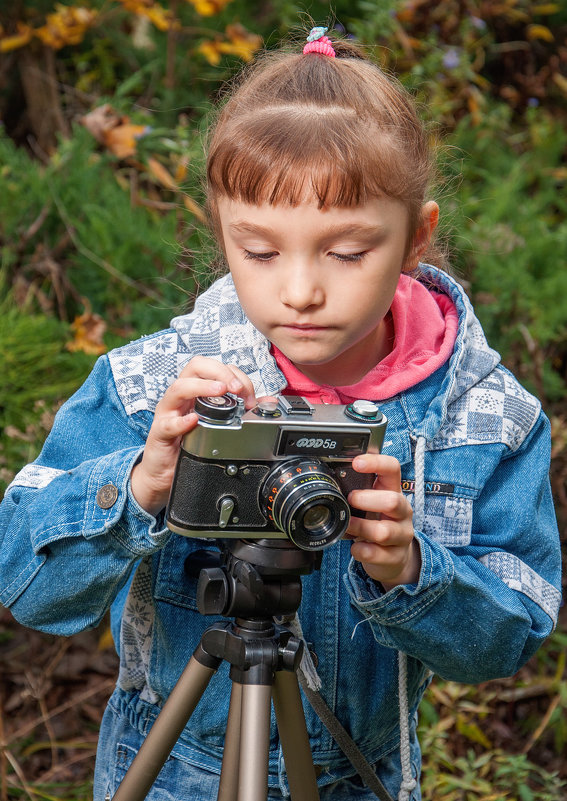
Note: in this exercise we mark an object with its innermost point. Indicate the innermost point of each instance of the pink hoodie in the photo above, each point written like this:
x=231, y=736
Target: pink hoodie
x=425, y=328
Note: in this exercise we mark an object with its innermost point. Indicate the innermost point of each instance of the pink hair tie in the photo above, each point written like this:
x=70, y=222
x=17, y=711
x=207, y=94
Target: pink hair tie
x=317, y=42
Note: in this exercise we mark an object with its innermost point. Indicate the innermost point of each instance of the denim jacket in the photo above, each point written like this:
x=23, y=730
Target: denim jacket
x=474, y=448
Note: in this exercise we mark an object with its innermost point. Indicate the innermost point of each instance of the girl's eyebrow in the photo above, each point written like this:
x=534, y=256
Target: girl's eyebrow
x=244, y=227
x=331, y=232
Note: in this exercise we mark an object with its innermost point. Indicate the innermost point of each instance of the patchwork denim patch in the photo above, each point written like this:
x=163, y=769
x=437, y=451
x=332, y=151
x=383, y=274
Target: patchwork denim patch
x=136, y=635
x=519, y=576
x=496, y=409
x=448, y=519
x=35, y=476
x=217, y=328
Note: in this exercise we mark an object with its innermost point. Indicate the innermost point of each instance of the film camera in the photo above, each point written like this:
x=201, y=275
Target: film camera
x=282, y=469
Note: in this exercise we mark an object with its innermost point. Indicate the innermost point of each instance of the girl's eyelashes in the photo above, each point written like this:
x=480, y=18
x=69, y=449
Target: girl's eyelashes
x=349, y=257
x=268, y=256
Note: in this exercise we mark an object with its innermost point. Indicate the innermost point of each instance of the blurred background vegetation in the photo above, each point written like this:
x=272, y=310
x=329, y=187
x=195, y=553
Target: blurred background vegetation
x=103, y=106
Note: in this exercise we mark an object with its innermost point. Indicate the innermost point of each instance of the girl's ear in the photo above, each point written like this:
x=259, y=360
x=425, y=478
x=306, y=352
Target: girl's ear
x=424, y=234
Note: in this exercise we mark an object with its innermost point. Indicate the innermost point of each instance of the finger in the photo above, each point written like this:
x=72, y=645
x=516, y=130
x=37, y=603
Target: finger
x=235, y=380
x=180, y=395
x=386, y=533
x=381, y=502
x=371, y=553
x=241, y=385
x=169, y=428
x=387, y=469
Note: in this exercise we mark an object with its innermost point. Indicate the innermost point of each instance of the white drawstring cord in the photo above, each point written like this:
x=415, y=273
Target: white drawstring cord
x=409, y=783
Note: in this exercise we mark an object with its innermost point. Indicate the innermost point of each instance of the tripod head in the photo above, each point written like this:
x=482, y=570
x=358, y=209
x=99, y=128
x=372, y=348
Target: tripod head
x=257, y=578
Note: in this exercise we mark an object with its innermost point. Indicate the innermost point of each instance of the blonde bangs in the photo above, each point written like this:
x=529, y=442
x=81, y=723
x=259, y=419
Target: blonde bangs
x=326, y=154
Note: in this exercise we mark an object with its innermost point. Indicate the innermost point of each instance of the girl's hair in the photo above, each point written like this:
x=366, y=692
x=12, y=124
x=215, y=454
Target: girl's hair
x=339, y=128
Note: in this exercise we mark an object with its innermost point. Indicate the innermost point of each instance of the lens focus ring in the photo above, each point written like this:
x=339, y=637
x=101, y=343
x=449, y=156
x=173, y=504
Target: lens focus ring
x=303, y=499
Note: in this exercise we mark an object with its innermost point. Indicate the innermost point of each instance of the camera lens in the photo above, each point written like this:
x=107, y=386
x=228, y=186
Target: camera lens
x=316, y=518
x=303, y=499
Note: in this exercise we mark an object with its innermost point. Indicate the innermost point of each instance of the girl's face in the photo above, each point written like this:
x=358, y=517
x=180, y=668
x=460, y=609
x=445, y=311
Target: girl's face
x=318, y=282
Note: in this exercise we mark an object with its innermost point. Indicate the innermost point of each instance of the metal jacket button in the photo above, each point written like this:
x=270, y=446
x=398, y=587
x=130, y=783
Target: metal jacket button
x=106, y=496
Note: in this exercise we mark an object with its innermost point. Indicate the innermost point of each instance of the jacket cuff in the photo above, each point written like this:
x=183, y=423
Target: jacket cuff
x=405, y=602
x=109, y=507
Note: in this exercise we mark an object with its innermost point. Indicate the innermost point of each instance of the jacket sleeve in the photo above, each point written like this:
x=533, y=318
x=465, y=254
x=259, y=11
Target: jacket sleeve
x=70, y=529
x=480, y=611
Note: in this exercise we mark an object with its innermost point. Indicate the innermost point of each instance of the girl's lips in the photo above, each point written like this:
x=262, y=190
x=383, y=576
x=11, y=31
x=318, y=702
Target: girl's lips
x=304, y=330
x=306, y=327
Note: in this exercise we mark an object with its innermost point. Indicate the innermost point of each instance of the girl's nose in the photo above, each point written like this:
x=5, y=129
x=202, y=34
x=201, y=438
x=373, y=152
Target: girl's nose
x=302, y=289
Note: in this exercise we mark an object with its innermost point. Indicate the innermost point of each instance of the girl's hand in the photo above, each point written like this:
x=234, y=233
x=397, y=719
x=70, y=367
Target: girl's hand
x=174, y=417
x=384, y=541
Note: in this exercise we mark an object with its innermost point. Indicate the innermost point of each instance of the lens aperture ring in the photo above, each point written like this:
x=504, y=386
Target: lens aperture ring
x=303, y=500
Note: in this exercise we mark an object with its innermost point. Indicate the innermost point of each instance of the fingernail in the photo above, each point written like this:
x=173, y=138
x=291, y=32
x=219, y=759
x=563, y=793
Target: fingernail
x=235, y=385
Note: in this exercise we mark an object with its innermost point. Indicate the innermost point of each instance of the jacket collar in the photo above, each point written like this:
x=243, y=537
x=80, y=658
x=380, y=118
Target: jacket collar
x=218, y=328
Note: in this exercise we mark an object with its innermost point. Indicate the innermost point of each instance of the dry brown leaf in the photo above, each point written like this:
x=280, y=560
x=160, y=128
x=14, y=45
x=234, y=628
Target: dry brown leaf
x=88, y=331
x=161, y=174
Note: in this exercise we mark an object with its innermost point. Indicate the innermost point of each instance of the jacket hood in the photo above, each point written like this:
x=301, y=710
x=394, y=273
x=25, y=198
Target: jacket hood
x=219, y=328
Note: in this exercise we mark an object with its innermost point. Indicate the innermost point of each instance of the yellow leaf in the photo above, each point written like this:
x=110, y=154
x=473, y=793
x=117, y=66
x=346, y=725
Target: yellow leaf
x=472, y=732
x=163, y=176
x=539, y=32
x=17, y=40
x=123, y=139
x=66, y=26
x=239, y=42
x=561, y=81
x=159, y=16
x=210, y=50
x=88, y=331
x=546, y=9
x=181, y=169
x=206, y=8
x=162, y=19
x=245, y=42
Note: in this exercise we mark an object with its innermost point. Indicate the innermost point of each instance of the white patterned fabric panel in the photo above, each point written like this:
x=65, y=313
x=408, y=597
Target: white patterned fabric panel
x=496, y=409
x=136, y=635
x=143, y=370
x=35, y=476
x=448, y=519
x=519, y=576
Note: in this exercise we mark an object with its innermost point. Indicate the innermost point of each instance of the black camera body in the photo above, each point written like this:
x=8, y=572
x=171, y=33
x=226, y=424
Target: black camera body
x=281, y=470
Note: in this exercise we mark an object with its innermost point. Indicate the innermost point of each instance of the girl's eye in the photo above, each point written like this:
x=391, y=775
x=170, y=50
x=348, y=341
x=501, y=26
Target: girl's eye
x=349, y=257
x=249, y=254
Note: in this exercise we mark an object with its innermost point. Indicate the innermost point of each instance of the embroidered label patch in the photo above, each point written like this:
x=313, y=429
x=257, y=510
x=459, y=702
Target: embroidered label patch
x=432, y=487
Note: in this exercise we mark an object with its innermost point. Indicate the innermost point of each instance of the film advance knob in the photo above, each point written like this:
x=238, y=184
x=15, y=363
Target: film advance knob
x=217, y=408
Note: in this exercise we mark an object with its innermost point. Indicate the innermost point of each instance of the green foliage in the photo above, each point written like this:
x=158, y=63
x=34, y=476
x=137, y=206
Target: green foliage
x=491, y=776
x=117, y=255
x=466, y=734
x=509, y=221
x=38, y=373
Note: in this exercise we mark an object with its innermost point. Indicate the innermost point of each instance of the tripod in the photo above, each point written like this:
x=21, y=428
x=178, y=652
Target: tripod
x=256, y=581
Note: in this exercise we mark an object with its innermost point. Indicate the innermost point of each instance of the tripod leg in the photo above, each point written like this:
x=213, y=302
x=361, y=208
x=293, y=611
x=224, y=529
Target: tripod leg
x=254, y=742
x=230, y=761
x=294, y=738
x=165, y=731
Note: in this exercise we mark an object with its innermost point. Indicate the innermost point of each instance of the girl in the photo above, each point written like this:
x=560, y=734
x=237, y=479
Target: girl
x=318, y=172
